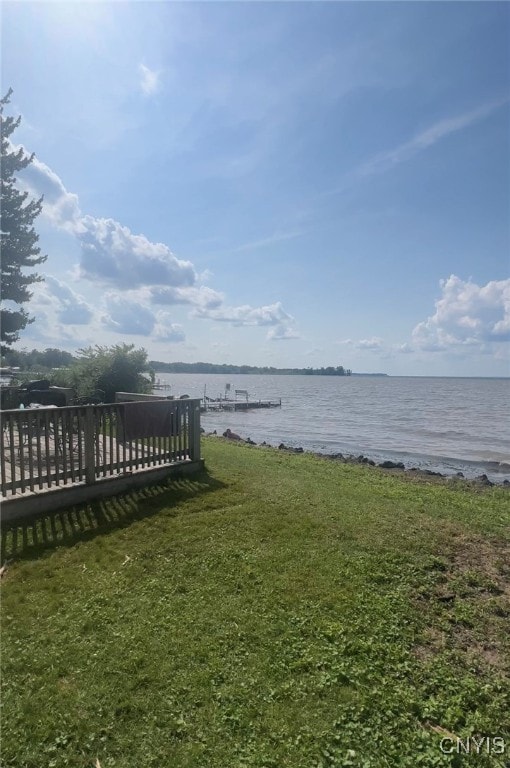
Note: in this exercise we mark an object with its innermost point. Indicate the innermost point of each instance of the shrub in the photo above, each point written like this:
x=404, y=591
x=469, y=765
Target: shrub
x=120, y=368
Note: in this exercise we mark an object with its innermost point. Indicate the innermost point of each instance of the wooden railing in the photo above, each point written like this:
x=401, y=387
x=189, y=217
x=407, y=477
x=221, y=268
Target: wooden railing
x=47, y=448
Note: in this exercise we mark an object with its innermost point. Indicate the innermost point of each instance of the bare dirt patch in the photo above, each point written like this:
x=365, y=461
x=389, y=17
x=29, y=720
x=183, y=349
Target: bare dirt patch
x=469, y=599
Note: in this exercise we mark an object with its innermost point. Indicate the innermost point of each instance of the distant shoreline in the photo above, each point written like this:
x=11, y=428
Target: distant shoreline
x=227, y=368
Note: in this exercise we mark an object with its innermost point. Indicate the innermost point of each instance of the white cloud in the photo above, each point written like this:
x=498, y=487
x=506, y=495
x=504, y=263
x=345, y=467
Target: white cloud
x=374, y=343
x=142, y=273
x=72, y=309
x=60, y=207
x=111, y=253
x=56, y=301
x=62, y=317
x=467, y=315
x=128, y=313
x=281, y=332
x=271, y=315
x=198, y=296
x=127, y=317
x=247, y=315
x=149, y=79
x=404, y=349
x=166, y=330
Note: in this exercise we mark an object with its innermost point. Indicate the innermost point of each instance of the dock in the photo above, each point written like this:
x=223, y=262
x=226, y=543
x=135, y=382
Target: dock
x=238, y=405
x=161, y=386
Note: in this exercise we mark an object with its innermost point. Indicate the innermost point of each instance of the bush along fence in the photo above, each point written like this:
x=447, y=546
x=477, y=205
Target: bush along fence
x=82, y=452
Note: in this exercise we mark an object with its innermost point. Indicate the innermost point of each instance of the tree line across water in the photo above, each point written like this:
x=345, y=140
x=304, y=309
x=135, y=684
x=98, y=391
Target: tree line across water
x=36, y=359
x=52, y=358
x=101, y=371
x=227, y=368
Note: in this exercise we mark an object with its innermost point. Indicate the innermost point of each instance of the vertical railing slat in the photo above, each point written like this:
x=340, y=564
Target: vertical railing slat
x=142, y=451
x=188, y=428
x=20, y=424
x=63, y=431
x=71, y=415
x=188, y=436
x=110, y=435
x=12, y=453
x=47, y=428
x=179, y=431
x=56, y=438
x=81, y=432
x=195, y=440
x=173, y=437
x=184, y=430
x=3, y=462
x=137, y=452
x=90, y=467
x=30, y=437
x=40, y=433
x=103, y=420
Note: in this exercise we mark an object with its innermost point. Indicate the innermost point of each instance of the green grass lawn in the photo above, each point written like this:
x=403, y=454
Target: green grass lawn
x=279, y=610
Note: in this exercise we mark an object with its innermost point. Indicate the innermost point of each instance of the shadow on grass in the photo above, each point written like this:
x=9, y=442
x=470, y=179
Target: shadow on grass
x=31, y=538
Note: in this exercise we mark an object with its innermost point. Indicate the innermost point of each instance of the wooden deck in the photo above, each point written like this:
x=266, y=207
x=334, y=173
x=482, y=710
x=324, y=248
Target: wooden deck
x=20, y=481
x=49, y=451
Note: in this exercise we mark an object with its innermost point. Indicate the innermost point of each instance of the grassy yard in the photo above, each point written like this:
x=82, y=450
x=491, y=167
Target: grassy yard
x=278, y=611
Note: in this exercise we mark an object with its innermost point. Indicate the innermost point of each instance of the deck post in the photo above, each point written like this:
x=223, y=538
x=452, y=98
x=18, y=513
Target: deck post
x=195, y=431
x=90, y=467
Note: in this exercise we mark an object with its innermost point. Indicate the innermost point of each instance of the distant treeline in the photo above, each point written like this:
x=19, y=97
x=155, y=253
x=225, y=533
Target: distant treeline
x=36, y=360
x=225, y=368
x=58, y=358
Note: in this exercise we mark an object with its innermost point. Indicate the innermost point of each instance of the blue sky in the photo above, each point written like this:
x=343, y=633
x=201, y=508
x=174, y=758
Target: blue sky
x=270, y=183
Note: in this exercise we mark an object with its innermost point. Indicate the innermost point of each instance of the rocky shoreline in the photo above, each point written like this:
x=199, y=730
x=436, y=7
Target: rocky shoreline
x=480, y=481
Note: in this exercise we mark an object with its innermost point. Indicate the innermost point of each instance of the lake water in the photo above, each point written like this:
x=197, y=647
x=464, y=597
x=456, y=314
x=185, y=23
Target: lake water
x=443, y=424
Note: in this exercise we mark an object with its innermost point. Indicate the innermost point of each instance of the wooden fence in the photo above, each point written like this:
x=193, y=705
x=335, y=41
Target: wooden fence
x=49, y=448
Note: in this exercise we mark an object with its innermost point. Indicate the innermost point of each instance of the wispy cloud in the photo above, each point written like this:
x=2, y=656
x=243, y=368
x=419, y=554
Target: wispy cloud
x=277, y=237
x=427, y=138
x=149, y=79
x=389, y=159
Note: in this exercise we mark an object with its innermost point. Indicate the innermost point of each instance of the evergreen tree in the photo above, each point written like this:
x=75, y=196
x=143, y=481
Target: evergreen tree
x=18, y=237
